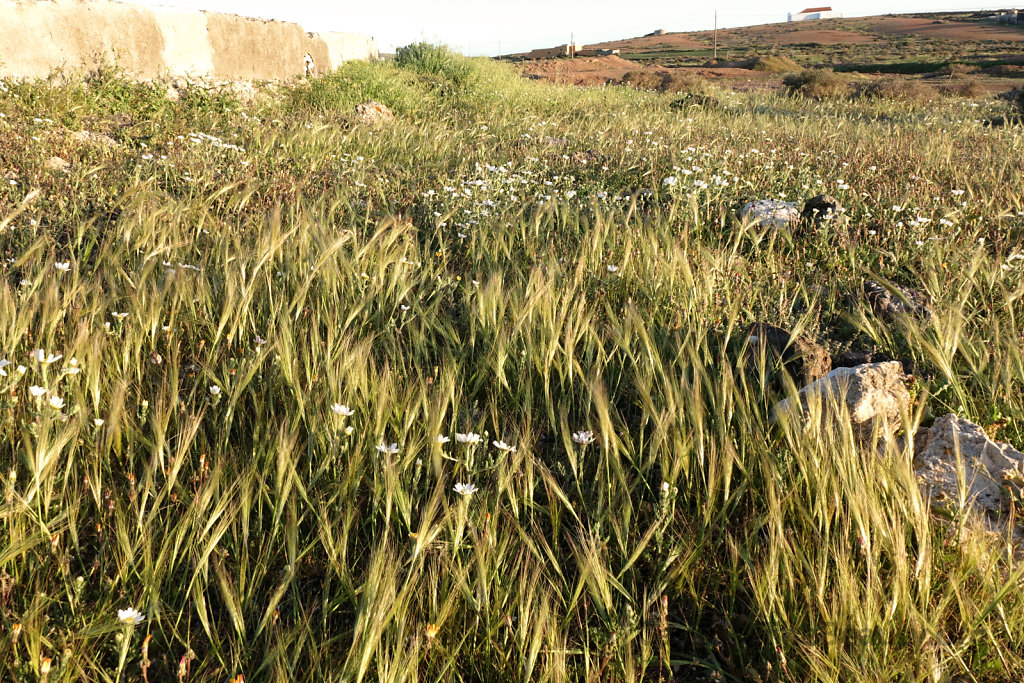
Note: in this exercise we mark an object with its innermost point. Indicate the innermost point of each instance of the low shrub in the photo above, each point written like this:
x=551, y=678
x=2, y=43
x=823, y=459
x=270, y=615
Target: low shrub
x=1006, y=70
x=682, y=82
x=438, y=60
x=817, y=84
x=774, y=64
x=969, y=88
x=1016, y=98
x=672, y=81
x=957, y=70
x=643, y=80
x=897, y=90
x=357, y=82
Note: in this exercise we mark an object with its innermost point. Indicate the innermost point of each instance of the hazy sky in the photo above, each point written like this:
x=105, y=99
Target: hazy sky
x=480, y=26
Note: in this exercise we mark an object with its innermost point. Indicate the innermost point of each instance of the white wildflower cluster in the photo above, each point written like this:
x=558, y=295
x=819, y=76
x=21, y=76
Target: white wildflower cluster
x=213, y=141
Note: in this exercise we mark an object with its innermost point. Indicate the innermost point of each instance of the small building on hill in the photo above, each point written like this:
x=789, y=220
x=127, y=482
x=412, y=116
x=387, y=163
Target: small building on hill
x=567, y=50
x=1012, y=16
x=812, y=13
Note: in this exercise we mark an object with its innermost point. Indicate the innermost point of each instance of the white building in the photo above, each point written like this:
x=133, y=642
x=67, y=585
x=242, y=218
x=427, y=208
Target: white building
x=815, y=13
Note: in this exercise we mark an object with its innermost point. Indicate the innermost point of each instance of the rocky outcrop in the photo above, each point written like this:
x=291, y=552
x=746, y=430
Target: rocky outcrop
x=992, y=472
x=373, y=113
x=892, y=300
x=770, y=213
x=874, y=396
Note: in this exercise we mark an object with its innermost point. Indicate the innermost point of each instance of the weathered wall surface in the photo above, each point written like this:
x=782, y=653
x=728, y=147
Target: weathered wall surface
x=38, y=36
x=342, y=47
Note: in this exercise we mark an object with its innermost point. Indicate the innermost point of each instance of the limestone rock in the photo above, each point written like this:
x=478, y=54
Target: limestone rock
x=57, y=164
x=889, y=301
x=991, y=470
x=549, y=141
x=805, y=360
x=770, y=213
x=87, y=137
x=874, y=395
x=373, y=113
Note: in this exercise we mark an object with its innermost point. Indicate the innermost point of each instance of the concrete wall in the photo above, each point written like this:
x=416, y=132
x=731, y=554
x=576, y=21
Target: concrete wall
x=38, y=36
x=342, y=47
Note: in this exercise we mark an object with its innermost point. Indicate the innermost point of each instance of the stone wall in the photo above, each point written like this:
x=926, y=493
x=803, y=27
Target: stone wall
x=38, y=36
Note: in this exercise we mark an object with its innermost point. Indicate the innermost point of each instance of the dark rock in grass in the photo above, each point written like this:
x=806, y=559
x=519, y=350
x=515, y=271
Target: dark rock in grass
x=644, y=198
x=804, y=360
x=695, y=100
x=589, y=158
x=890, y=301
x=824, y=207
x=1000, y=121
x=853, y=358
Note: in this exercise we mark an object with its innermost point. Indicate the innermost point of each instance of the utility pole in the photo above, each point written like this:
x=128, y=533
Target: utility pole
x=716, y=34
x=572, y=46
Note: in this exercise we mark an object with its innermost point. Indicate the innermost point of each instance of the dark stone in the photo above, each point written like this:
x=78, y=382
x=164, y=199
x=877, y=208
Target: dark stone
x=589, y=158
x=821, y=208
x=1000, y=121
x=805, y=360
x=695, y=100
x=890, y=301
x=852, y=358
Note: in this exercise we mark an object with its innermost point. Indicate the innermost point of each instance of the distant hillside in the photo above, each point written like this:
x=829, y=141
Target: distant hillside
x=900, y=43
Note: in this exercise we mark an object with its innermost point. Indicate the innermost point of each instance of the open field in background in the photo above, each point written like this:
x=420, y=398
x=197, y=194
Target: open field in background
x=264, y=327
x=935, y=48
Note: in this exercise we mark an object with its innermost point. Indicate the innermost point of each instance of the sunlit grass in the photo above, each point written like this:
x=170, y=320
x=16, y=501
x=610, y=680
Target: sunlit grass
x=490, y=265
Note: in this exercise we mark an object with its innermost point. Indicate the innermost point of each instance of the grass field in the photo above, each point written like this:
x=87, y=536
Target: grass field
x=452, y=399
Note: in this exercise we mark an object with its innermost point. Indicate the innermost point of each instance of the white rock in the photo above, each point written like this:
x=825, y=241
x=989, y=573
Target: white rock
x=57, y=164
x=988, y=465
x=873, y=395
x=771, y=213
x=87, y=137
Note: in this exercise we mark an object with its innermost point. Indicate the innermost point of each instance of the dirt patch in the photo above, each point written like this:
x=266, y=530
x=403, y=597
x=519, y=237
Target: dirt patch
x=668, y=41
x=821, y=38
x=826, y=32
x=588, y=71
x=948, y=30
x=580, y=71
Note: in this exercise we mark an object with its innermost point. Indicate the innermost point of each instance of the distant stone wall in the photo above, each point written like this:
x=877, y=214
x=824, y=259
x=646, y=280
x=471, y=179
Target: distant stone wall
x=38, y=36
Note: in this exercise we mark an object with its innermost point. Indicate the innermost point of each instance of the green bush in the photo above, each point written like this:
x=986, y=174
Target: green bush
x=438, y=60
x=817, y=84
x=774, y=64
x=357, y=82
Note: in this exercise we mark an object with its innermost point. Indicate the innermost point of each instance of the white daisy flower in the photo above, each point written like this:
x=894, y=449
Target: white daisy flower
x=466, y=489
